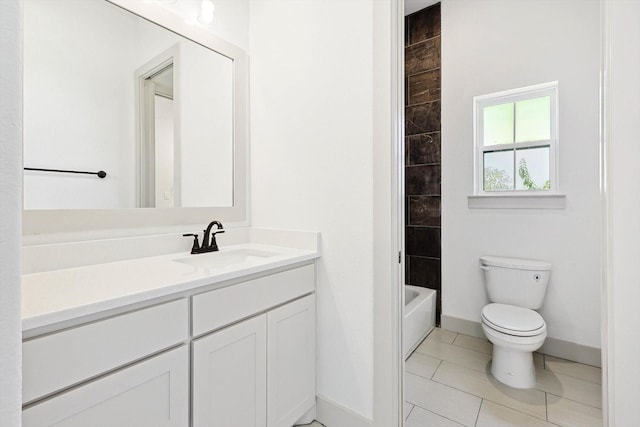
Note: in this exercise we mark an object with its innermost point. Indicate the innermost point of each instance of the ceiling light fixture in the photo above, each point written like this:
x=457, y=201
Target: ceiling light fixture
x=206, y=12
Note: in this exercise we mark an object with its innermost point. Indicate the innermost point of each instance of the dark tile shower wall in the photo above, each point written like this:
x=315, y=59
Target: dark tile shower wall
x=422, y=149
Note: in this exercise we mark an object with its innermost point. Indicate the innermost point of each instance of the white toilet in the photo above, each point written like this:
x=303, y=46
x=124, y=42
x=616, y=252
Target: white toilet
x=516, y=287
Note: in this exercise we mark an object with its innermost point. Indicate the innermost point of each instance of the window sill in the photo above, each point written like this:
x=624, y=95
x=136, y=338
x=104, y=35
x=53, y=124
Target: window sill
x=518, y=201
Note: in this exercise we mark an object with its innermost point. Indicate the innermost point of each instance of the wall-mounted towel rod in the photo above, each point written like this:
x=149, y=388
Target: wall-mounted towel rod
x=101, y=174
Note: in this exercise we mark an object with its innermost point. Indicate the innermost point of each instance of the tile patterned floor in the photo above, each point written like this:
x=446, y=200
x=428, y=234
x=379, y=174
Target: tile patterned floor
x=448, y=384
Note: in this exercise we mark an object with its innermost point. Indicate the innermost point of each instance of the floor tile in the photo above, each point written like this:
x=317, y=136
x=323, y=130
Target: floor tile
x=568, y=413
x=494, y=415
x=572, y=388
x=472, y=343
x=407, y=408
x=461, y=388
x=422, y=365
x=443, y=335
x=482, y=384
x=455, y=354
x=422, y=418
x=574, y=369
x=448, y=402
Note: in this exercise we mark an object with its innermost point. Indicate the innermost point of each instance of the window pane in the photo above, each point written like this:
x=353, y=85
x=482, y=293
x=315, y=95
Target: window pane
x=533, y=168
x=533, y=119
x=498, y=124
x=498, y=171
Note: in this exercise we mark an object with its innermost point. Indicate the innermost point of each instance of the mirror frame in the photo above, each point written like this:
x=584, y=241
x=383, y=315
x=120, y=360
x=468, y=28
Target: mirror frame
x=44, y=221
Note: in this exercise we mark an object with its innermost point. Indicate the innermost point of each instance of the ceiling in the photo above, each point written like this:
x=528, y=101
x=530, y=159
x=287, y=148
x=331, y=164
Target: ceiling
x=411, y=6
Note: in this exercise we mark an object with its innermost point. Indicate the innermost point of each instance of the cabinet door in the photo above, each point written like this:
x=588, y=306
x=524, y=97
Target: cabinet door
x=291, y=361
x=229, y=376
x=152, y=393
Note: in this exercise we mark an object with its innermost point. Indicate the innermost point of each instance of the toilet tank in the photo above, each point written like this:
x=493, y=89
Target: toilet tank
x=516, y=281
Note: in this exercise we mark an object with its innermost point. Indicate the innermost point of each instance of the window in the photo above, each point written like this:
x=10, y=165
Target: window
x=516, y=137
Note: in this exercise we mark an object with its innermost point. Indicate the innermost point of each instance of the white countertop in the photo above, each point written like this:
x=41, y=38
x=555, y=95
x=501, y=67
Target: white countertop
x=61, y=295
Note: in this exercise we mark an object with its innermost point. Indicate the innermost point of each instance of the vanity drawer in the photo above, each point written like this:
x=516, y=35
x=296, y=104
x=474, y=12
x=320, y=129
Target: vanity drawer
x=65, y=358
x=220, y=307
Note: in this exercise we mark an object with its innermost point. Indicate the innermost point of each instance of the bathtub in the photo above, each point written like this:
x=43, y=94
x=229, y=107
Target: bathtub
x=419, y=316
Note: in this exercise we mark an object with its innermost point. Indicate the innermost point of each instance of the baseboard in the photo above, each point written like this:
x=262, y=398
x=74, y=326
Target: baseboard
x=552, y=346
x=331, y=414
x=572, y=351
x=463, y=326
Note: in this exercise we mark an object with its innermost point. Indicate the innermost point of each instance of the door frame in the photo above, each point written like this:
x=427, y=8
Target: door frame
x=145, y=131
x=393, y=315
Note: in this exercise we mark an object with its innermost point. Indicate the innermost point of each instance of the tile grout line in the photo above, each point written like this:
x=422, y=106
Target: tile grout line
x=520, y=412
x=424, y=103
x=546, y=418
x=478, y=414
x=574, y=401
x=423, y=41
x=565, y=397
x=467, y=348
x=546, y=405
x=471, y=394
x=455, y=345
x=434, y=412
x=425, y=226
x=436, y=370
x=489, y=400
x=534, y=388
x=543, y=368
x=426, y=133
x=575, y=377
x=423, y=164
x=413, y=406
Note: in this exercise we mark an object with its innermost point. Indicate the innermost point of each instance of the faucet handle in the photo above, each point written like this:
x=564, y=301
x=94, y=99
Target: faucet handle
x=196, y=243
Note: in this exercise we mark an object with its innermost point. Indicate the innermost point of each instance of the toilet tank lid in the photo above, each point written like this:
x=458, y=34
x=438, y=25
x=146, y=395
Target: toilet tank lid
x=519, y=263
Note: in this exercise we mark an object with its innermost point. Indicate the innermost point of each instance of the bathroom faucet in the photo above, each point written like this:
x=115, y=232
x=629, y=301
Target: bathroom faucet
x=208, y=234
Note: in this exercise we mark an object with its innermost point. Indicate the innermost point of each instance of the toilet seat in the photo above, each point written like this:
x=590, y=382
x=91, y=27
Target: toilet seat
x=513, y=320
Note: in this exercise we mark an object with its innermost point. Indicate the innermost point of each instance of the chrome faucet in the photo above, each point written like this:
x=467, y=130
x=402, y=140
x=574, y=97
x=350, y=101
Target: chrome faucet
x=208, y=234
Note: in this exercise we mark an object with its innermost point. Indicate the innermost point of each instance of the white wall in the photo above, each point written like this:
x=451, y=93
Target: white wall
x=10, y=210
x=624, y=203
x=311, y=167
x=494, y=45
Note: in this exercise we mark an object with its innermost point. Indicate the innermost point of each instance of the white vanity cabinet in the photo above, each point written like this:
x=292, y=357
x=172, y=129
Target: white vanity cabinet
x=127, y=370
x=259, y=372
x=230, y=376
x=291, y=361
x=152, y=393
x=240, y=355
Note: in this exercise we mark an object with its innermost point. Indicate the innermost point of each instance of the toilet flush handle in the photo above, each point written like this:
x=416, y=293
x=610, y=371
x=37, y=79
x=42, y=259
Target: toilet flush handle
x=484, y=267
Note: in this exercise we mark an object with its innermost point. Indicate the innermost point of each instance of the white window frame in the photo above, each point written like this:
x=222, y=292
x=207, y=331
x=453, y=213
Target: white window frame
x=514, y=95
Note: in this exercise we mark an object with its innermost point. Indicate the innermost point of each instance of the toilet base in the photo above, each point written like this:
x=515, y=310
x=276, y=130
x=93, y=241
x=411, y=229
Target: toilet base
x=513, y=367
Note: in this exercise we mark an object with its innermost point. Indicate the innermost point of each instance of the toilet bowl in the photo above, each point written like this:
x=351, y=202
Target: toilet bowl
x=515, y=287
x=515, y=333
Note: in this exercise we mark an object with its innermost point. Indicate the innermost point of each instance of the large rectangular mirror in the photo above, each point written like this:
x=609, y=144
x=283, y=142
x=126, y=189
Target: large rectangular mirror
x=127, y=106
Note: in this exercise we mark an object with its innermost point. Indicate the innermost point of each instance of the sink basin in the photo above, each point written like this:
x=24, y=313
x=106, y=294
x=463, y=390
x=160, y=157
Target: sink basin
x=224, y=259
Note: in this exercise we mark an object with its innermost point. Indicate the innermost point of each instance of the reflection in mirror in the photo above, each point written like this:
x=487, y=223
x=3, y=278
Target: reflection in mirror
x=157, y=189
x=107, y=90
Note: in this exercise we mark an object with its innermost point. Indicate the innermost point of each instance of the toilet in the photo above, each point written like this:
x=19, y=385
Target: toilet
x=515, y=287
